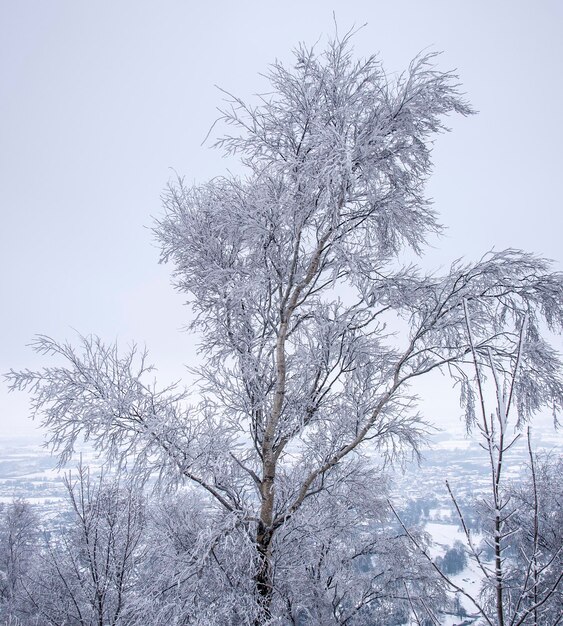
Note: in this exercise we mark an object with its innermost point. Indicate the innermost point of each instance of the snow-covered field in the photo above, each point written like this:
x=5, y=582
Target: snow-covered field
x=470, y=578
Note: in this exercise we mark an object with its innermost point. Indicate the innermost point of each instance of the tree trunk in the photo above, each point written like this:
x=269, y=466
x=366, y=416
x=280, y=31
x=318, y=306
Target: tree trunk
x=263, y=577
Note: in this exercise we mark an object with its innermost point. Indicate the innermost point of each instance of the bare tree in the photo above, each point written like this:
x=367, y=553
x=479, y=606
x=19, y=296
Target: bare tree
x=198, y=564
x=522, y=583
x=294, y=279
x=88, y=570
x=19, y=532
x=535, y=566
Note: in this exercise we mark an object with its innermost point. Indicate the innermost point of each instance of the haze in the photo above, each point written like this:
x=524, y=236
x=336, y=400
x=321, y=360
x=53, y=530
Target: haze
x=100, y=103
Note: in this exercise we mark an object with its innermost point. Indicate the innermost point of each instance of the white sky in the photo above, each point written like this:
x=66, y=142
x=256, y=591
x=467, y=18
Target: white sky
x=99, y=100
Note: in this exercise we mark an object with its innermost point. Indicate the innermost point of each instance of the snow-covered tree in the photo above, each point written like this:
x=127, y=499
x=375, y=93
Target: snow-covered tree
x=294, y=279
x=535, y=517
x=520, y=558
x=87, y=573
x=19, y=532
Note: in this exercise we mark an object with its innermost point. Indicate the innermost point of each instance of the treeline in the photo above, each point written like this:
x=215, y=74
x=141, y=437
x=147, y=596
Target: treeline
x=115, y=557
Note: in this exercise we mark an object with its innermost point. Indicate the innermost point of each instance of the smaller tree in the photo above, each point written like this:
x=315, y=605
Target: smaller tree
x=536, y=520
x=89, y=568
x=519, y=587
x=194, y=571
x=19, y=529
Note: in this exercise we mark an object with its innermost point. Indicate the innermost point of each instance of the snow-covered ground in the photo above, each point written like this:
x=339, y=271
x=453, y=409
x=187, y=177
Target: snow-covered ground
x=39, y=500
x=470, y=578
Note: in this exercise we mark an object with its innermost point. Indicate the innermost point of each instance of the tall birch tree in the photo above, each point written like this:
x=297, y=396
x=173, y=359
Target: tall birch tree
x=293, y=276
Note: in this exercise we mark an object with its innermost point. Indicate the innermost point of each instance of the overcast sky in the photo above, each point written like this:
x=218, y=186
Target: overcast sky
x=101, y=101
